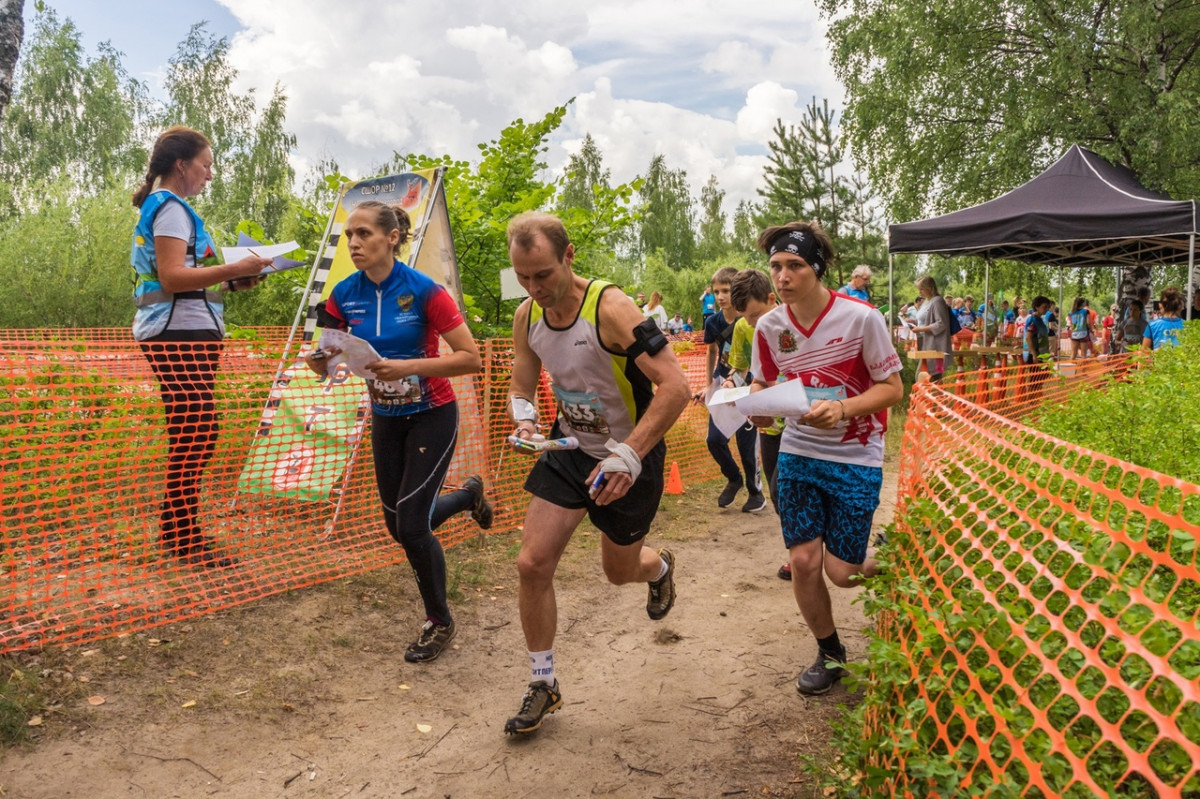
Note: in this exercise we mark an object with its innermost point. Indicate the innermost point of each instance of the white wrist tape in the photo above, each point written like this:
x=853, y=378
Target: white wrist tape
x=523, y=410
x=623, y=459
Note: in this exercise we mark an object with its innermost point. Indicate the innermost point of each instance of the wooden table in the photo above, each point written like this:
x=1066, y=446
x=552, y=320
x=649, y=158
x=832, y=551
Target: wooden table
x=1002, y=356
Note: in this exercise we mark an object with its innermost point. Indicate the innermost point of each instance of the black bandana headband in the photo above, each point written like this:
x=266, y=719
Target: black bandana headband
x=804, y=245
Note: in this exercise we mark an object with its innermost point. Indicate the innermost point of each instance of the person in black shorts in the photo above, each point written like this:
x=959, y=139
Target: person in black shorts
x=619, y=389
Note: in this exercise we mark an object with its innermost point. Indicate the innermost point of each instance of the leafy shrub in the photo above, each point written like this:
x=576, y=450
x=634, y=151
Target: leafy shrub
x=1150, y=417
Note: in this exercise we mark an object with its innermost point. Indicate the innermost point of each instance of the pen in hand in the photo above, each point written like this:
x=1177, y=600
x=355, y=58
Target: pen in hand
x=268, y=268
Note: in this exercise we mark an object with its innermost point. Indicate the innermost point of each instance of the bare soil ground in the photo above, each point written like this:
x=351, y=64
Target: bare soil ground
x=308, y=694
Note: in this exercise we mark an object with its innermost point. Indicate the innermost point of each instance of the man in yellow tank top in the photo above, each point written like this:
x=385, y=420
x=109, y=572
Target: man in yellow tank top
x=619, y=389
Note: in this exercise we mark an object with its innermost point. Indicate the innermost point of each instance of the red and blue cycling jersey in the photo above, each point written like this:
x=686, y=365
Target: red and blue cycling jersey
x=402, y=318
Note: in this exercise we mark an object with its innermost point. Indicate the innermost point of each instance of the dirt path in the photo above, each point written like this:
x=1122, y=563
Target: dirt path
x=307, y=695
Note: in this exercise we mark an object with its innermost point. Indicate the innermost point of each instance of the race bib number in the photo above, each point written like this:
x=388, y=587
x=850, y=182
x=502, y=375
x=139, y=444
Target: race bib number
x=395, y=393
x=825, y=393
x=582, y=410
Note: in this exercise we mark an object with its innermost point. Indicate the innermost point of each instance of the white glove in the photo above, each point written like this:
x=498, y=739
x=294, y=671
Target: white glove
x=623, y=459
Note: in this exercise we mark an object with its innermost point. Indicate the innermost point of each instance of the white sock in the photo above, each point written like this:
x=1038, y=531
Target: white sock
x=662, y=570
x=541, y=667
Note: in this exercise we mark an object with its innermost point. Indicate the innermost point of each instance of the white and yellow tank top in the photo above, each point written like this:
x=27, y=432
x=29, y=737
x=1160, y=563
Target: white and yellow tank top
x=601, y=394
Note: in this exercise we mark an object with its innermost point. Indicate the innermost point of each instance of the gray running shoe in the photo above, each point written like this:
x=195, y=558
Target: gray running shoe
x=430, y=643
x=818, y=678
x=540, y=700
x=662, y=592
x=481, y=512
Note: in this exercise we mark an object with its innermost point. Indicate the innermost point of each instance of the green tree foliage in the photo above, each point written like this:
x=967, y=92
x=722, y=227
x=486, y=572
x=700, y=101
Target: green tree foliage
x=71, y=116
x=12, y=31
x=800, y=181
x=263, y=188
x=680, y=288
x=252, y=175
x=73, y=145
x=62, y=264
x=666, y=215
x=745, y=229
x=862, y=234
x=805, y=179
x=713, y=241
x=585, y=174
x=507, y=181
x=952, y=103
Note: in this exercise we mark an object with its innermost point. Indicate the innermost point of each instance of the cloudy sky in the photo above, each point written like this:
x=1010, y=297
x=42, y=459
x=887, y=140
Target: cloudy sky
x=701, y=82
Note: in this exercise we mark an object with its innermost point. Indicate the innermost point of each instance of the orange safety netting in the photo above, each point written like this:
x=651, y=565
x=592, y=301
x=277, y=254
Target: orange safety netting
x=84, y=454
x=1052, y=646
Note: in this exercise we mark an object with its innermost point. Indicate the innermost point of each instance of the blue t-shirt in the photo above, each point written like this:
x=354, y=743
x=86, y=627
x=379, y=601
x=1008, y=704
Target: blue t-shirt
x=1041, y=336
x=718, y=331
x=708, y=304
x=1080, y=329
x=1165, y=332
x=858, y=294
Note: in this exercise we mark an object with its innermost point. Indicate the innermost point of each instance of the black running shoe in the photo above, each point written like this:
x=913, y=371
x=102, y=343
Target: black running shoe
x=481, y=512
x=662, y=592
x=430, y=643
x=540, y=700
x=199, y=554
x=818, y=678
x=756, y=503
x=729, y=494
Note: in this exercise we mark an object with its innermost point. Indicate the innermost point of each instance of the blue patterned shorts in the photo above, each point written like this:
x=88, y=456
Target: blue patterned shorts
x=823, y=499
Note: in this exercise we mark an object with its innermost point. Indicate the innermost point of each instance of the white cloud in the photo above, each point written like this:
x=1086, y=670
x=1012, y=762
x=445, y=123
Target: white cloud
x=766, y=103
x=700, y=83
x=733, y=58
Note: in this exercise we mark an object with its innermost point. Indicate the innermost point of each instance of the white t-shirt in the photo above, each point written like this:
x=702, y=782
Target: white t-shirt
x=659, y=315
x=844, y=353
x=173, y=221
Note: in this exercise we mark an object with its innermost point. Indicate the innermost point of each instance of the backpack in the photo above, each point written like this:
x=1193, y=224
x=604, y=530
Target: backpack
x=955, y=325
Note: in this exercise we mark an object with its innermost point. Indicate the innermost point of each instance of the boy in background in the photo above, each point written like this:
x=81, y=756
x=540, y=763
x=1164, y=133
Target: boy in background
x=751, y=297
x=718, y=335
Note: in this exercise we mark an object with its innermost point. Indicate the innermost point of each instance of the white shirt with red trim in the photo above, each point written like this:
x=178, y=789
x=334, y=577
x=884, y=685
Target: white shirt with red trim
x=845, y=352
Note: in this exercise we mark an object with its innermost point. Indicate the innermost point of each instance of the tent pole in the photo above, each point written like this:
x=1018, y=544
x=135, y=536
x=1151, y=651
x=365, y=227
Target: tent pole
x=1058, y=333
x=1191, y=275
x=891, y=294
x=987, y=290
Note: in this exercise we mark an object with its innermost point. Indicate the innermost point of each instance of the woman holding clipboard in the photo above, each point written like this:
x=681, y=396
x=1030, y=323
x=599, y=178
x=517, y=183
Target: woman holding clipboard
x=180, y=321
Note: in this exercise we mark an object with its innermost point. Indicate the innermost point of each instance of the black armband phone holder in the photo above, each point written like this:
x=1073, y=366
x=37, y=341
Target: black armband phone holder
x=647, y=338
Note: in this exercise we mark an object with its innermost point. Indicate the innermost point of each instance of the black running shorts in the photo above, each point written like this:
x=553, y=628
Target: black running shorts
x=560, y=478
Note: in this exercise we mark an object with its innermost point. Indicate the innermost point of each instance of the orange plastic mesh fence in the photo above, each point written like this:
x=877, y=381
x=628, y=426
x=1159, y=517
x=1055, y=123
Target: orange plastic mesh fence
x=85, y=449
x=1061, y=651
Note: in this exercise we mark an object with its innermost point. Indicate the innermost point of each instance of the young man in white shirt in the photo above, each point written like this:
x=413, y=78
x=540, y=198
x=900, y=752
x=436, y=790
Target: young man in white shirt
x=830, y=468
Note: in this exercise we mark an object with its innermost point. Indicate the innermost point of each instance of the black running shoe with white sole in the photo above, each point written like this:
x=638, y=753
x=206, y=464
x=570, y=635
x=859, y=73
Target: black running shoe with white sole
x=755, y=504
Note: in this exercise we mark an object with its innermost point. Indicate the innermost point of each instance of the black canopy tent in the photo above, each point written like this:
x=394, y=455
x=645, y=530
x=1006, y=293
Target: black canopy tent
x=1082, y=211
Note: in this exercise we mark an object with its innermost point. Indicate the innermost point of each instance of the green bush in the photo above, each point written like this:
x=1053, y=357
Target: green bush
x=1151, y=417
